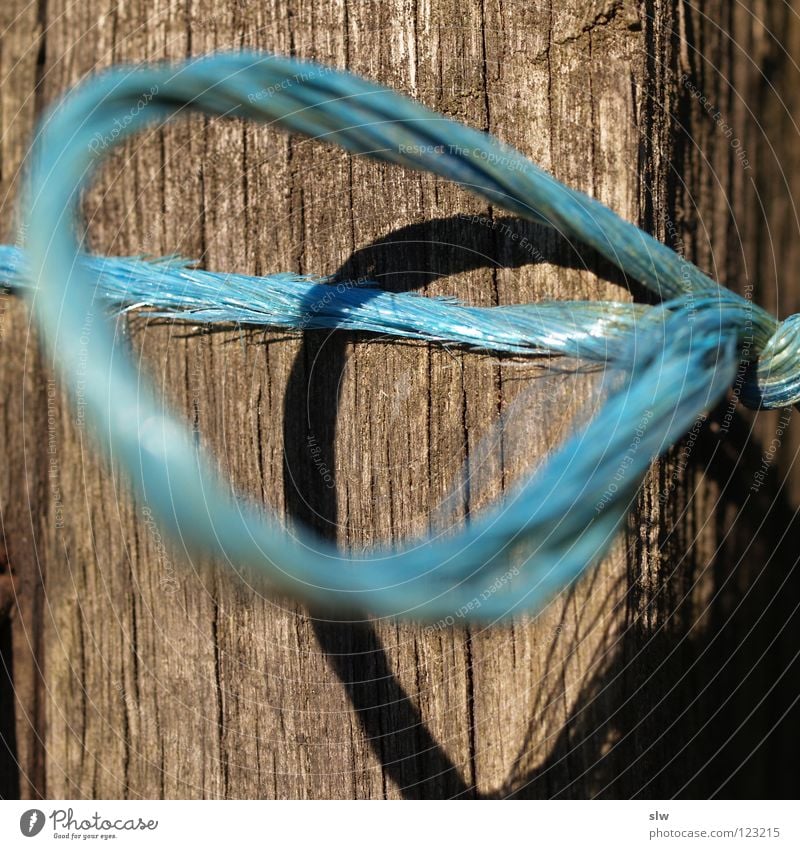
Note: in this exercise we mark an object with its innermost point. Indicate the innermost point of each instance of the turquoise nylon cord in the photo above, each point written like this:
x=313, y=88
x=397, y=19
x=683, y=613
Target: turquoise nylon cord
x=597, y=331
x=669, y=362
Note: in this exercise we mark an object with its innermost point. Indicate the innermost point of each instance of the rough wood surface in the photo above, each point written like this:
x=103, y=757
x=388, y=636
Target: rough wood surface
x=139, y=674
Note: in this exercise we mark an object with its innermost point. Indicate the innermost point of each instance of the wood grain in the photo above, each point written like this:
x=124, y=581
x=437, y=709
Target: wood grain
x=142, y=674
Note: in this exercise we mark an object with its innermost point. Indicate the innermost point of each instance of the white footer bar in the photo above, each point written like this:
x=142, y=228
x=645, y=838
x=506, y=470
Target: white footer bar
x=403, y=825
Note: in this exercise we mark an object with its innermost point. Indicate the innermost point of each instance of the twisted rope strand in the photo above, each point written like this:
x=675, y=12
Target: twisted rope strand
x=598, y=331
x=674, y=360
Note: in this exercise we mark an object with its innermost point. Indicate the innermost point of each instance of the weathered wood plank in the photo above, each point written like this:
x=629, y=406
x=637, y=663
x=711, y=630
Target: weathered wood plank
x=166, y=678
x=23, y=424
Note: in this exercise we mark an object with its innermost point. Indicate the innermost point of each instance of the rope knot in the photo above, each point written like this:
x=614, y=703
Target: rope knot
x=773, y=379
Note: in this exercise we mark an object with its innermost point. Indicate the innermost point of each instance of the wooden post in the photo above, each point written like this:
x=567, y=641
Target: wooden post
x=140, y=674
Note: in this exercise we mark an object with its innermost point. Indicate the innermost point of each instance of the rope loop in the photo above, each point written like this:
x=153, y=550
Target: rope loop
x=667, y=363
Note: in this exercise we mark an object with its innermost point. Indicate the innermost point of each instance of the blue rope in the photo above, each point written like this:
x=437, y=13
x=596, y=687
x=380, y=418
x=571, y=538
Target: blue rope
x=597, y=331
x=670, y=362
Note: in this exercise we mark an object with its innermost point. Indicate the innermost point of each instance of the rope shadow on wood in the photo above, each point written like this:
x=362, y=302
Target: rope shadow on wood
x=392, y=723
x=611, y=739
x=689, y=708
